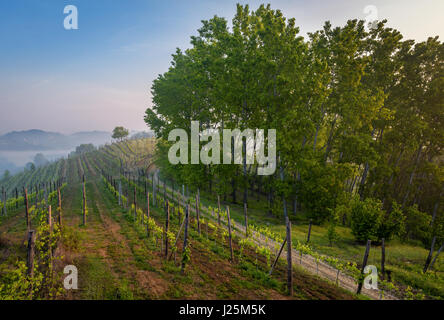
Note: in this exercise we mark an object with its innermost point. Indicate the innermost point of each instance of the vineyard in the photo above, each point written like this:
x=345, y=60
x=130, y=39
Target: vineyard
x=133, y=233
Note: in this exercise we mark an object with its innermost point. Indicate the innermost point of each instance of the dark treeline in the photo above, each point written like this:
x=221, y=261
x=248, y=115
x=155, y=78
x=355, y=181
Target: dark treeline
x=358, y=114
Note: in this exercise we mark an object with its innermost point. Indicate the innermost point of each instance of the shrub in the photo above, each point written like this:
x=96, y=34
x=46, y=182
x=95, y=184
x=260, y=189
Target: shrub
x=370, y=221
x=332, y=235
x=392, y=223
x=322, y=190
x=366, y=217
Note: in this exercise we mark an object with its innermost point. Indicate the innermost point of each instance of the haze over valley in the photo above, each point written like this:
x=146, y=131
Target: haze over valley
x=17, y=148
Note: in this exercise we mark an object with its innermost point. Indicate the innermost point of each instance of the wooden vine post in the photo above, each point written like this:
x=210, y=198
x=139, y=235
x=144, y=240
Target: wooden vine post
x=50, y=219
x=289, y=259
x=16, y=198
x=230, y=240
x=36, y=194
x=50, y=234
x=383, y=257
x=30, y=258
x=218, y=212
x=120, y=193
x=27, y=209
x=167, y=222
x=364, y=263
x=277, y=257
x=154, y=190
x=309, y=231
x=59, y=195
x=197, y=212
x=148, y=214
x=246, y=219
x=185, y=238
x=148, y=205
x=127, y=194
x=135, y=202
x=177, y=239
x=84, y=202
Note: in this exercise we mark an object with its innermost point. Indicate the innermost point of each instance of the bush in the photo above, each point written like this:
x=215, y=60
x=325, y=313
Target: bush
x=322, y=190
x=366, y=218
x=332, y=235
x=370, y=221
x=392, y=223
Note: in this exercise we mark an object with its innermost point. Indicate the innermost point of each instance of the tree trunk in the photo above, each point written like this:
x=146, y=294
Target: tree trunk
x=436, y=256
x=411, y=177
x=429, y=257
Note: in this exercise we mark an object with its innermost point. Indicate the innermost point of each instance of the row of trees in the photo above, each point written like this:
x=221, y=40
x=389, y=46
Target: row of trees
x=358, y=113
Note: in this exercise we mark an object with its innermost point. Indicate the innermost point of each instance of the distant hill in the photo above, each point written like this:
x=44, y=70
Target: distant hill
x=40, y=140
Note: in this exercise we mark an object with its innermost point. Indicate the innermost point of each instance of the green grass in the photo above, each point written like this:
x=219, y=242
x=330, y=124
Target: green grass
x=99, y=283
x=404, y=260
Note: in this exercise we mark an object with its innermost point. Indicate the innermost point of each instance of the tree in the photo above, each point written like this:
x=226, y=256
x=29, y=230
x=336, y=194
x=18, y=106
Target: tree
x=365, y=219
x=356, y=112
x=370, y=222
x=120, y=133
x=84, y=148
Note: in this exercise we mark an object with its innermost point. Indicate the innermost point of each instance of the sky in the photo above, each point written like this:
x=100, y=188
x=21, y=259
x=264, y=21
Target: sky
x=99, y=76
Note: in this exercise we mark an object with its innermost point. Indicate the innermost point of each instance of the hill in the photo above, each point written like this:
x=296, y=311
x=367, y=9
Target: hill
x=39, y=140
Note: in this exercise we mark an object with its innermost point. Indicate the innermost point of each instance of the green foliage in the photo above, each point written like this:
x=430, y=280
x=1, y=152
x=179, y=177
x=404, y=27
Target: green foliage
x=120, y=133
x=370, y=222
x=332, y=234
x=322, y=190
x=16, y=284
x=186, y=255
x=356, y=112
x=85, y=148
x=392, y=223
x=366, y=217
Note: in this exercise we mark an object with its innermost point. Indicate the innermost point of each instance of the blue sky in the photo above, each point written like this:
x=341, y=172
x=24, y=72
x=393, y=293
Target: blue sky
x=99, y=76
